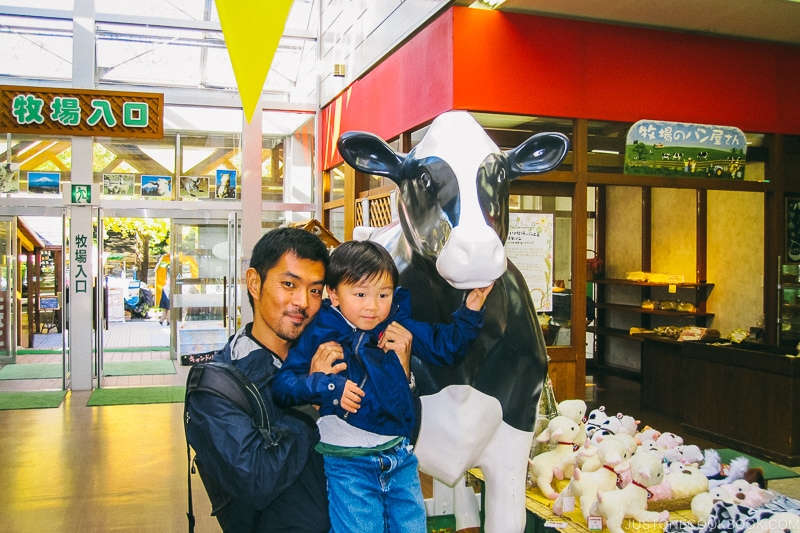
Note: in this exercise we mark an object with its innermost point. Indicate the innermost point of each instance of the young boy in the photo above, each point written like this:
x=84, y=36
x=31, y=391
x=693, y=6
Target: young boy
x=366, y=411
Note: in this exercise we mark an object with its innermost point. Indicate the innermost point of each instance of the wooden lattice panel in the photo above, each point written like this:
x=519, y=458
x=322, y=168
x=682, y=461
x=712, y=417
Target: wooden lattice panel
x=45, y=111
x=380, y=211
x=359, y=214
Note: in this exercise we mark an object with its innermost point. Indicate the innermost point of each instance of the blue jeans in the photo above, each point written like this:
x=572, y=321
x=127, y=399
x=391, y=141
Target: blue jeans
x=378, y=493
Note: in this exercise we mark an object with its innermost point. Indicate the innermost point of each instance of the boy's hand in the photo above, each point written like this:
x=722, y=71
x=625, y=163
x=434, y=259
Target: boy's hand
x=477, y=297
x=325, y=358
x=397, y=338
x=351, y=397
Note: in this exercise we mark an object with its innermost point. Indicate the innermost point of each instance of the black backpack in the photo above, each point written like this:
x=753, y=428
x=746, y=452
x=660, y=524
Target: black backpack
x=230, y=383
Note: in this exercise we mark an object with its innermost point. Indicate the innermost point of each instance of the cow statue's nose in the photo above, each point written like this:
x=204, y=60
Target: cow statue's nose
x=473, y=257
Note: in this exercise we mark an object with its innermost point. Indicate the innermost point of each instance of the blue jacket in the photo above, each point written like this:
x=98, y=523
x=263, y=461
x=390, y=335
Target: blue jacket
x=387, y=406
x=253, y=487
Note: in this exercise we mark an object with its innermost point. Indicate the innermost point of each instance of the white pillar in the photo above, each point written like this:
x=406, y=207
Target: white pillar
x=81, y=293
x=251, y=199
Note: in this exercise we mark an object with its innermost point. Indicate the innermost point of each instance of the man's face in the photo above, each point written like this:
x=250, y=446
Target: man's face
x=286, y=300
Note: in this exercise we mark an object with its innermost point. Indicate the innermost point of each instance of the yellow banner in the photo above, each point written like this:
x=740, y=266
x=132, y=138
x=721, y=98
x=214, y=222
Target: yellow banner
x=252, y=30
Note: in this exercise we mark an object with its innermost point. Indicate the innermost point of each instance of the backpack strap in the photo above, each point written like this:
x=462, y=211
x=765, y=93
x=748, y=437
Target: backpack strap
x=227, y=382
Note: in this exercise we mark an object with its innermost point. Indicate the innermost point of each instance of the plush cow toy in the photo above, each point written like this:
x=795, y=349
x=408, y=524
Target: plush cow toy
x=453, y=222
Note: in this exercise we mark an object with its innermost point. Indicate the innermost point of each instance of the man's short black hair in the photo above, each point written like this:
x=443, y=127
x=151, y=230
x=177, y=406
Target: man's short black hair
x=355, y=261
x=276, y=243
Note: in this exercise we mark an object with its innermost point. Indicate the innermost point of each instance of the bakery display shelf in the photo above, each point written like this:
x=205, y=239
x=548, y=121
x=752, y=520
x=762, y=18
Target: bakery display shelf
x=613, y=281
x=662, y=312
x=613, y=332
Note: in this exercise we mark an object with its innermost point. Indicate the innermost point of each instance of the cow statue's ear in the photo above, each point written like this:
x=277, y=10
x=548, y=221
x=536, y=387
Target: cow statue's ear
x=541, y=153
x=368, y=153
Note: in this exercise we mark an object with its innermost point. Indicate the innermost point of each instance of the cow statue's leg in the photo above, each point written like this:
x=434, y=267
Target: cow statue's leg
x=504, y=464
x=462, y=428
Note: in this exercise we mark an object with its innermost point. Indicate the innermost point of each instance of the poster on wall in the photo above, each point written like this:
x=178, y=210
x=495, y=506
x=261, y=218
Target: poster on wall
x=194, y=187
x=44, y=182
x=9, y=177
x=226, y=184
x=157, y=186
x=792, y=230
x=530, y=247
x=675, y=149
x=118, y=184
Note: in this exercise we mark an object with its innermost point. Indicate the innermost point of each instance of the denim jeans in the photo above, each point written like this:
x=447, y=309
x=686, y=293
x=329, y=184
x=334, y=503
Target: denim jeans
x=378, y=493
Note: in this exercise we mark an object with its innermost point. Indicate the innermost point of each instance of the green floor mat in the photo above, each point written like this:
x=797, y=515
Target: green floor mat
x=31, y=400
x=31, y=371
x=136, y=395
x=138, y=368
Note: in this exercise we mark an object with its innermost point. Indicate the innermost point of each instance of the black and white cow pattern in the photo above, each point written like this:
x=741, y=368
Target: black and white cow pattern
x=453, y=221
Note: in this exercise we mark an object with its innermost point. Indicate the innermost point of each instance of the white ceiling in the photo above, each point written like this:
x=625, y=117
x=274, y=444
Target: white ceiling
x=763, y=20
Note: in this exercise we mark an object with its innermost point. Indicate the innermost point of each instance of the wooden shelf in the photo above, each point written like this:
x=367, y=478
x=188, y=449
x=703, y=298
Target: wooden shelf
x=660, y=312
x=611, y=281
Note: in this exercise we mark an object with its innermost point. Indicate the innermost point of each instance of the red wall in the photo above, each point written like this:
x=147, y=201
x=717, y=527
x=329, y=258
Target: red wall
x=553, y=67
x=411, y=86
x=490, y=61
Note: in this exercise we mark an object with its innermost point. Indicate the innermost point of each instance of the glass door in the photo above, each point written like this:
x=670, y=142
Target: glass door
x=8, y=291
x=203, y=280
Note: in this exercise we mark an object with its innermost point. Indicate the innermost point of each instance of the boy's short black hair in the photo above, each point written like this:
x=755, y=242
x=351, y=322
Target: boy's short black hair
x=355, y=261
x=275, y=243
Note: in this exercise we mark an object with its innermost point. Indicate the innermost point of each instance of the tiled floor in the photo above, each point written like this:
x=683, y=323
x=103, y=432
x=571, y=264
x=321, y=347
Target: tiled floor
x=124, y=341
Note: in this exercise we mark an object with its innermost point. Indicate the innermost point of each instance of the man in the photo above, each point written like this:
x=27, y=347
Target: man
x=254, y=487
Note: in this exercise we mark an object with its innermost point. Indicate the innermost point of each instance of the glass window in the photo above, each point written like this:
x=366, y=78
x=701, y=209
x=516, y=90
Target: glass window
x=212, y=158
x=127, y=168
x=606, y=145
x=24, y=154
x=174, y=9
x=336, y=185
x=509, y=131
x=36, y=48
x=288, y=157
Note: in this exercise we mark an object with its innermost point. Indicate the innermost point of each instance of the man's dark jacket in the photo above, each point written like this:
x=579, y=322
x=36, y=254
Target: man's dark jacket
x=253, y=487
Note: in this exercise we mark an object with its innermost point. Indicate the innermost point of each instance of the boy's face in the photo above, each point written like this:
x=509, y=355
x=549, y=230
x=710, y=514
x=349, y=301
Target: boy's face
x=364, y=303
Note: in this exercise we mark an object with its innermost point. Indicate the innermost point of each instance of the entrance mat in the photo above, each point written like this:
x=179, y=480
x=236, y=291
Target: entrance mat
x=31, y=371
x=31, y=400
x=136, y=395
x=138, y=368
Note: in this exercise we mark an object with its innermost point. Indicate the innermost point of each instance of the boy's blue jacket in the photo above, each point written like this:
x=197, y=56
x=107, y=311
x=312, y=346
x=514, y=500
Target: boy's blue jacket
x=387, y=405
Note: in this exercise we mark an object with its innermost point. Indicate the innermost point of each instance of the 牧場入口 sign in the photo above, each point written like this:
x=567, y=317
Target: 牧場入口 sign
x=81, y=112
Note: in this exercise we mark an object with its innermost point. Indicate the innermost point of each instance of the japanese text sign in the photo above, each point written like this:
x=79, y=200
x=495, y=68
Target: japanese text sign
x=675, y=149
x=81, y=112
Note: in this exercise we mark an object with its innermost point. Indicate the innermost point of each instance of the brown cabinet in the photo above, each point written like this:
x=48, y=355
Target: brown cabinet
x=746, y=397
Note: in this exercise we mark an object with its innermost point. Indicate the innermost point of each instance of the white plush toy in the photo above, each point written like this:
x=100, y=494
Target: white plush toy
x=613, y=454
x=684, y=453
x=631, y=502
x=703, y=503
x=669, y=440
x=575, y=410
x=558, y=462
x=685, y=481
x=647, y=433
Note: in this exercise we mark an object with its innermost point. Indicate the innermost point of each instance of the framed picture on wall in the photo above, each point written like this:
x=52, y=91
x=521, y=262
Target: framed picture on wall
x=792, y=230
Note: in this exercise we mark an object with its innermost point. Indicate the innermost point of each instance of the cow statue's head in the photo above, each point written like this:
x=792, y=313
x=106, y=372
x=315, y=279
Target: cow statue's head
x=454, y=184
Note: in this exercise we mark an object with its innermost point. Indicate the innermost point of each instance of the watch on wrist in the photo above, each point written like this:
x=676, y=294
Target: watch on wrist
x=412, y=381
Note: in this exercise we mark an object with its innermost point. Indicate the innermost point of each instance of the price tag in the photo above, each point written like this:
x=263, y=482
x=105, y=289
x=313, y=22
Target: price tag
x=595, y=523
x=555, y=524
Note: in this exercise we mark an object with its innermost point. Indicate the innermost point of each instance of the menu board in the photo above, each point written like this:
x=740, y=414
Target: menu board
x=530, y=247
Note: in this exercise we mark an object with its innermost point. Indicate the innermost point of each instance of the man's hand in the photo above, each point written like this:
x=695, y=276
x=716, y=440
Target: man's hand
x=351, y=397
x=397, y=338
x=326, y=357
x=477, y=297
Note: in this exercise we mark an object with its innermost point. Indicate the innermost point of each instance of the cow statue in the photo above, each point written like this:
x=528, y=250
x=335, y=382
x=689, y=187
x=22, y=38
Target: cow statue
x=453, y=221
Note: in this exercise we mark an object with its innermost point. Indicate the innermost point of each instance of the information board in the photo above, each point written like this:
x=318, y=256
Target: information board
x=530, y=247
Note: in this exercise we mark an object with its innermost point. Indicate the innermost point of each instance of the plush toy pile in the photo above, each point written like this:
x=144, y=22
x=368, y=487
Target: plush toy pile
x=603, y=466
